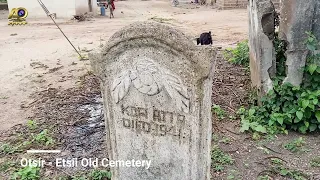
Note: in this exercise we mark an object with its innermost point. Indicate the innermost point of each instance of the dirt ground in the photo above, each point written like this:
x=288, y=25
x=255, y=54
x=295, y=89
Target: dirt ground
x=42, y=79
x=29, y=52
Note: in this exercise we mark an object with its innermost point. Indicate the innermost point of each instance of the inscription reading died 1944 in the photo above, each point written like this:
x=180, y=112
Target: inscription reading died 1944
x=163, y=123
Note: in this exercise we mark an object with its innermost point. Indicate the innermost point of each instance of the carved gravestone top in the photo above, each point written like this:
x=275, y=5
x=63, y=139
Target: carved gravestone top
x=157, y=87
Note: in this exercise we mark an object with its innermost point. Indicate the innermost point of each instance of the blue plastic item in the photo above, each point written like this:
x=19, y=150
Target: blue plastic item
x=103, y=11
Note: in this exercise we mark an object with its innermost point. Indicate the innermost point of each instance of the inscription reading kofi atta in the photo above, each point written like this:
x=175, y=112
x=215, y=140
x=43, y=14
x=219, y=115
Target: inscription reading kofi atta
x=150, y=79
x=163, y=123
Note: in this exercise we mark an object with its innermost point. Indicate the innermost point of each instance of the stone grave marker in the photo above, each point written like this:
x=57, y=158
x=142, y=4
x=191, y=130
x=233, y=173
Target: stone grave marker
x=157, y=87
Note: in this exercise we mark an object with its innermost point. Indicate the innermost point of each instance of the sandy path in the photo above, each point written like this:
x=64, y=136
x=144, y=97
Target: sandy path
x=28, y=58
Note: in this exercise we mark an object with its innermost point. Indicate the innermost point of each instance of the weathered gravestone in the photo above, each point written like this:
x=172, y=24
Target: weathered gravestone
x=157, y=87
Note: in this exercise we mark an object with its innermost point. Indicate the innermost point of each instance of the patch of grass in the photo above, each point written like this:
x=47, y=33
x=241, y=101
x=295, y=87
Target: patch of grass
x=9, y=149
x=218, y=111
x=79, y=178
x=277, y=168
x=215, y=138
x=295, y=145
x=315, y=162
x=238, y=55
x=44, y=138
x=32, y=125
x=297, y=175
x=225, y=140
x=276, y=161
x=5, y=166
x=220, y=159
x=100, y=175
x=27, y=173
x=232, y=174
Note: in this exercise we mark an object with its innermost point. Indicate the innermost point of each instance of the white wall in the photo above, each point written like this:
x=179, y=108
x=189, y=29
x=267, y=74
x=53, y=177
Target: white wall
x=82, y=6
x=63, y=8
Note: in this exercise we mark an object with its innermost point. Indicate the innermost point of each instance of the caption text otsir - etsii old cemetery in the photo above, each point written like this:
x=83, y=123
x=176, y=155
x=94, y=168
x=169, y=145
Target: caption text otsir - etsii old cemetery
x=160, y=90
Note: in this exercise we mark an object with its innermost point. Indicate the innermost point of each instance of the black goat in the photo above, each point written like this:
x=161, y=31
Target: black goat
x=205, y=39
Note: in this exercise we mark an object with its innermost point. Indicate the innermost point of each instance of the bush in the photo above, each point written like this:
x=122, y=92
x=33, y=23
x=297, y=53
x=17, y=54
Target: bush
x=238, y=55
x=287, y=107
x=27, y=173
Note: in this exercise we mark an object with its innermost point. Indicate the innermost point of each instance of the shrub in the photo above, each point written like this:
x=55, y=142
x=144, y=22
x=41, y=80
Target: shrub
x=238, y=55
x=287, y=107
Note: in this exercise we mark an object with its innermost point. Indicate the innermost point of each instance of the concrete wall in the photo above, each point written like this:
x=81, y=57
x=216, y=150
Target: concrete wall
x=63, y=8
x=234, y=4
x=83, y=6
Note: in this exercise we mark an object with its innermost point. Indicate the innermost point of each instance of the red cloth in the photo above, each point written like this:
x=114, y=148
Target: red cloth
x=113, y=6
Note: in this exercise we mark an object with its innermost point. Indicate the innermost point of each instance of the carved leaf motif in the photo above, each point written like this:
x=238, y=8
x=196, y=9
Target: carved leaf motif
x=177, y=91
x=121, y=85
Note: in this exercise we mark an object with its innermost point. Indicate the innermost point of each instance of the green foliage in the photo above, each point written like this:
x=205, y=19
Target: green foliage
x=280, y=49
x=238, y=55
x=27, y=173
x=233, y=174
x=225, y=140
x=287, y=107
x=5, y=166
x=294, y=174
x=295, y=145
x=220, y=159
x=44, y=138
x=32, y=125
x=218, y=111
x=315, y=162
x=312, y=70
x=277, y=168
x=276, y=161
x=100, y=175
x=8, y=149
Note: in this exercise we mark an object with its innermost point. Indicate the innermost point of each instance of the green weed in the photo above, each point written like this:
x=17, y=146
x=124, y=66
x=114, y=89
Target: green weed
x=44, y=138
x=5, y=166
x=27, y=173
x=218, y=111
x=32, y=125
x=315, y=162
x=9, y=149
x=277, y=168
x=100, y=175
x=225, y=140
x=220, y=159
x=295, y=145
x=232, y=175
x=238, y=55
